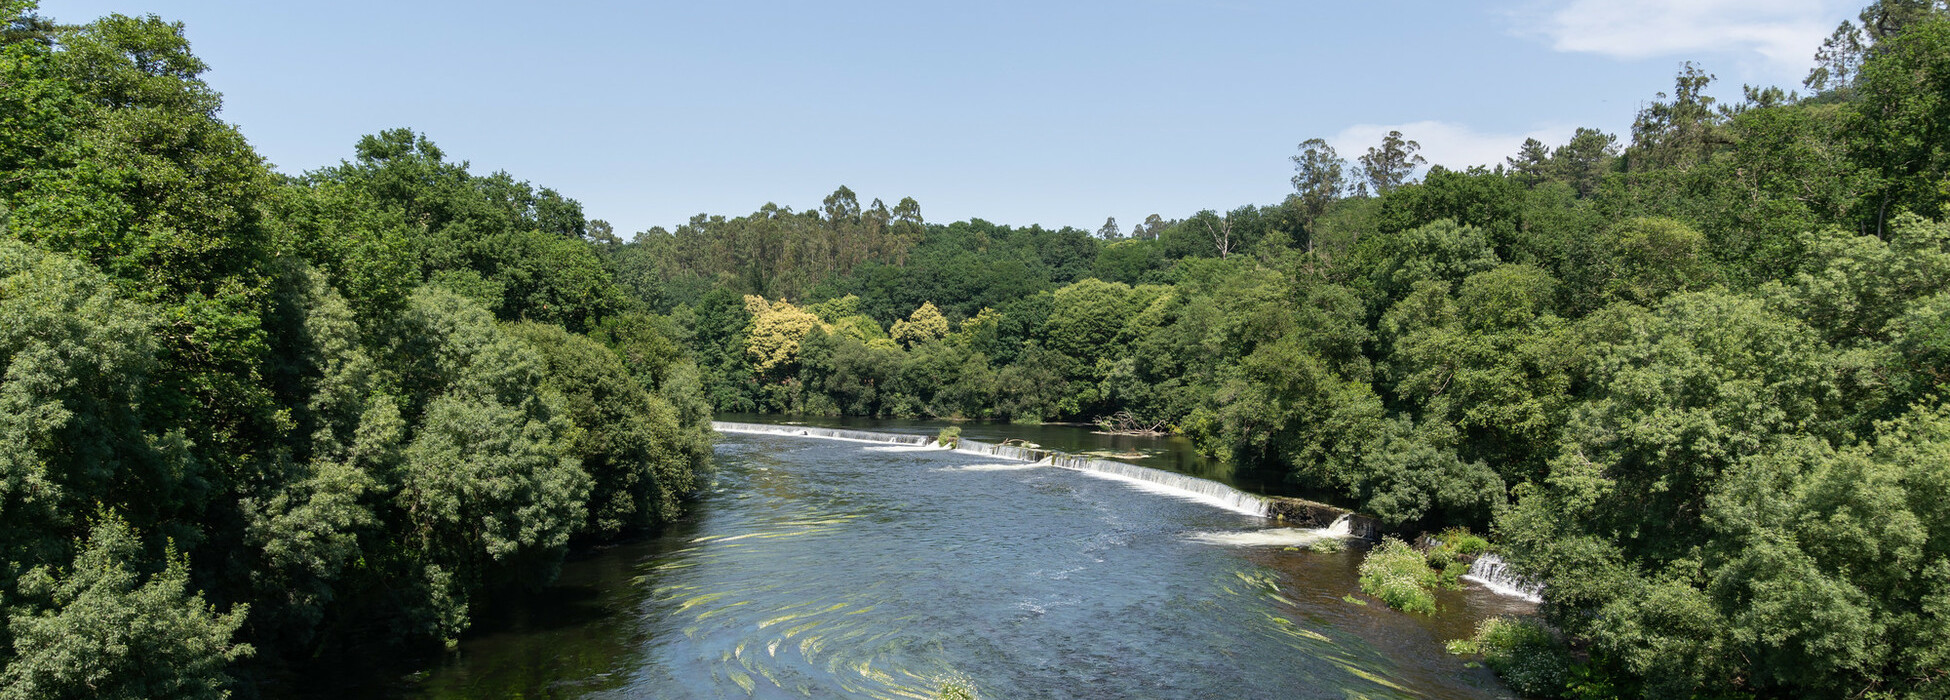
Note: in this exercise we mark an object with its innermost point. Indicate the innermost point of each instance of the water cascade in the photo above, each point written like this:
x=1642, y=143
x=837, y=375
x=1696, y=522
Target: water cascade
x=1341, y=529
x=1496, y=575
x=1208, y=492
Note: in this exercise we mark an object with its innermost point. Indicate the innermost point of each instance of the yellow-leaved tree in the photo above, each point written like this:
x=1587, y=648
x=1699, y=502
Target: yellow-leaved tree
x=925, y=325
x=777, y=328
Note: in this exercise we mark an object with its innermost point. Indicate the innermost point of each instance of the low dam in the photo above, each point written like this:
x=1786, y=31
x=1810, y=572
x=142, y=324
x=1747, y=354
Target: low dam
x=1294, y=511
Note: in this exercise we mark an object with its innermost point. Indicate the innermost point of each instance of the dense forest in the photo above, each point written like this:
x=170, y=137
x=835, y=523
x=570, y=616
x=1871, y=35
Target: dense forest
x=250, y=419
x=1692, y=378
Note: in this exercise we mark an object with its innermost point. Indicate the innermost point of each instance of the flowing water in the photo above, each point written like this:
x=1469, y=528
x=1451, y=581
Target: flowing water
x=826, y=568
x=1497, y=576
x=1173, y=453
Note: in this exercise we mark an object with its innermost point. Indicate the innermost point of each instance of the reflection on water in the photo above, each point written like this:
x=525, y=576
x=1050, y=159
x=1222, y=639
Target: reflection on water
x=823, y=569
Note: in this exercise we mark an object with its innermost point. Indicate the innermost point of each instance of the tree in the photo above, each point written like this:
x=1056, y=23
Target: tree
x=1903, y=122
x=107, y=631
x=74, y=357
x=627, y=439
x=1109, y=231
x=489, y=489
x=1680, y=395
x=1317, y=180
x=1531, y=164
x=1152, y=226
x=1839, y=60
x=1085, y=320
x=1680, y=133
x=1221, y=234
x=925, y=325
x=1391, y=164
x=1583, y=161
x=776, y=329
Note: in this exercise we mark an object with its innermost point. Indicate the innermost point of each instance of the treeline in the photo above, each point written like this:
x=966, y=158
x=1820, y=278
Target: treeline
x=1691, y=378
x=250, y=420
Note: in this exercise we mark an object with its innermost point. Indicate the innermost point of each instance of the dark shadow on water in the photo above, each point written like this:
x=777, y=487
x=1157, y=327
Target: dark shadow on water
x=521, y=643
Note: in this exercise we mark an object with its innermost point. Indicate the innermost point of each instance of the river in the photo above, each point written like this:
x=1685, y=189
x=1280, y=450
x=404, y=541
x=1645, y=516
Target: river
x=819, y=568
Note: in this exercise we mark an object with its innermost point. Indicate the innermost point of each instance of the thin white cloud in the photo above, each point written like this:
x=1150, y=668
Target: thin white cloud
x=1450, y=145
x=1784, y=33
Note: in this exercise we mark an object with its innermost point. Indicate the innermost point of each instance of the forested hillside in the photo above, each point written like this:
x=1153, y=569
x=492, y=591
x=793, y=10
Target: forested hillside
x=1691, y=377
x=249, y=419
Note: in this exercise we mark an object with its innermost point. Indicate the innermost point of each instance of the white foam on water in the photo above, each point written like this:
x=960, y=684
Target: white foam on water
x=905, y=448
x=994, y=467
x=1157, y=481
x=1493, y=573
x=1342, y=528
x=1253, y=507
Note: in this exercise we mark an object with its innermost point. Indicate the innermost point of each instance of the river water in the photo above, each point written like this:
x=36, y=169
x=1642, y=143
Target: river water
x=1168, y=452
x=818, y=568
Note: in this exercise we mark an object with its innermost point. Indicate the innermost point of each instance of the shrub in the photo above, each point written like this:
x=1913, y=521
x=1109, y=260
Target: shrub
x=1399, y=576
x=1328, y=545
x=1446, y=556
x=1525, y=653
x=949, y=436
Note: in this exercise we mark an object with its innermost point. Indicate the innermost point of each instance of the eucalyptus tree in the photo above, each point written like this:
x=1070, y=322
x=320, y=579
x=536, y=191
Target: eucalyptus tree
x=1318, y=181
x=1391, y=164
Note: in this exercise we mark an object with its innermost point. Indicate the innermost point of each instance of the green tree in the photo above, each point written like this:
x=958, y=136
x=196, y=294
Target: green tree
x=1318, y=180
x=628, y=439
x=73, y=359
x=108, y=631
x=1903, y=121
x=1584, y=161
x=1531, y=164
x=1086, y=318
x=1391, y=164
x=1681, y=133
x=490, y=488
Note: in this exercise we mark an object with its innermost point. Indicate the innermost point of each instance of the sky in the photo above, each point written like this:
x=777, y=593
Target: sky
x=1051, y=113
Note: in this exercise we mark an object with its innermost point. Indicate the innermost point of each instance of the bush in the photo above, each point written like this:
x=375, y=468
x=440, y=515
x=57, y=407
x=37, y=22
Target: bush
x=1446, y=555
x=1399, y=576
x=949, y=436
x=1328, y=545
x=1525, y=653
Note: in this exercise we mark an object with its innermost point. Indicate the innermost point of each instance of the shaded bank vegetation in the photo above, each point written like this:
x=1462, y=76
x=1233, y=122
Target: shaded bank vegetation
x=249, y=419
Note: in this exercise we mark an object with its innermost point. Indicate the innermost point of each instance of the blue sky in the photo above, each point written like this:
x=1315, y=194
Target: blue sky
x=1016, y=112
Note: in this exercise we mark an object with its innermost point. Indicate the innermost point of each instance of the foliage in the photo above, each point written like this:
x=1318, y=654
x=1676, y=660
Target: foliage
x=777, y=328
x=112, y=632
x=925, y=325
x=1399, y=576
x=1525, y=653
x=346, y=404
x=1691, y=382
x=627, y=439
x=949, y=436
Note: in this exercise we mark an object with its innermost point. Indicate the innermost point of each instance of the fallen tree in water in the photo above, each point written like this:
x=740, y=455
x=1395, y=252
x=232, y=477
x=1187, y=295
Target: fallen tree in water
x=1123, y=423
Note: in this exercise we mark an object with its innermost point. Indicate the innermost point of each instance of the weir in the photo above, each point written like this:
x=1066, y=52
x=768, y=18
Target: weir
x=1496, y=575
x=1205, y=491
